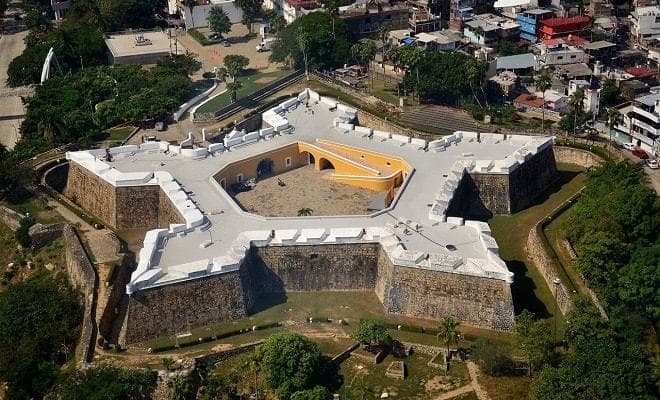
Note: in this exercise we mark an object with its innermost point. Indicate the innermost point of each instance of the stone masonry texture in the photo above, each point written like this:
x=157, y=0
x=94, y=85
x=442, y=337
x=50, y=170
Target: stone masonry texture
x=177, y=308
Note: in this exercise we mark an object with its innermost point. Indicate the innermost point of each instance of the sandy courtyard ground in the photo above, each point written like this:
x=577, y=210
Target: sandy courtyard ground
x=305, y=188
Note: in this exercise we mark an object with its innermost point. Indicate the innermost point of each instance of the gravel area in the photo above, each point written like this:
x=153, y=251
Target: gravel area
x=305, y=188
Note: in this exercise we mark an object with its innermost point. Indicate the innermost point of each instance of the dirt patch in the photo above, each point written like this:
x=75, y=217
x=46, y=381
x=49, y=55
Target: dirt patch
x=265, y=79
x=305, y=188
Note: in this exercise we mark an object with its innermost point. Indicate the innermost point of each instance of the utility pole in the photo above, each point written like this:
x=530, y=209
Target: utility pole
x=556, y=282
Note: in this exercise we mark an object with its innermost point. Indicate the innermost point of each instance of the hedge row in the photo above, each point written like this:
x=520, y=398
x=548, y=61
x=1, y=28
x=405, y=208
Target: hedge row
x=412, y=328
x=201, y=39
x=204, y=339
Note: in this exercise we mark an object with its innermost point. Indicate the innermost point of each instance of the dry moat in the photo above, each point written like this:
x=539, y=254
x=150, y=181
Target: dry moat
x=306, y=188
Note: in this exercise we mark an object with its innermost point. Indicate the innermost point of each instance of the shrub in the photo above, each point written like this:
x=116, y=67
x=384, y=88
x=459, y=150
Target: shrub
x=22, y=233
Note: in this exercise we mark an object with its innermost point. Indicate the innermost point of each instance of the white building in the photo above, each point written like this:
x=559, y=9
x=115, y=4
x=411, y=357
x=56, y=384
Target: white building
x=591, y=95
x=643, y=123
x=438, y=41
x=560, y=54
x=645, y=23
x=200, y=13
x=60, y=8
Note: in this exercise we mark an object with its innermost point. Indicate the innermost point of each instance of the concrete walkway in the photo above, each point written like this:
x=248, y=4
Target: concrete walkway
x=473, y=370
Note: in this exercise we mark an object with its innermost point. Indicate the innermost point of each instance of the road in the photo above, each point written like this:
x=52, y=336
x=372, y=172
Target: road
x=11, y=106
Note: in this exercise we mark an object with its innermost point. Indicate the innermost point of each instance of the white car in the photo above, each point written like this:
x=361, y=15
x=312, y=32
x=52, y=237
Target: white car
x=652, y=163
x=629, y=146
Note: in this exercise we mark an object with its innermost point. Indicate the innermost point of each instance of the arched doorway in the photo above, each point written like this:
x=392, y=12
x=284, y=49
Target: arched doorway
x=325, y=164
x=309, y=157
x=265, y=167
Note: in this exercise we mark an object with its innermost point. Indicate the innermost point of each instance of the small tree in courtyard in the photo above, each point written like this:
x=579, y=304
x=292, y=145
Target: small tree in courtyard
x=219, y=21
x=305, y=212
x=371, y=332
x=449, y=332
x=235, y=64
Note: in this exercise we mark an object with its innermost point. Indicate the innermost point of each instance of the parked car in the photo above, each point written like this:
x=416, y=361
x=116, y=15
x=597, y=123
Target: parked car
x=641, y=154
x=226, y=43
x=214, y=36
x=652, y=163
x=629, y=146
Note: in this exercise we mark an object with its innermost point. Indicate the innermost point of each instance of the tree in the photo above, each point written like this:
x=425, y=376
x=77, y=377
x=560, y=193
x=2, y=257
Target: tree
x=363, y=52
x=577, y=107
x=39, y=325
x=250, y=8
x=303, y=45
x=305, y=212
x=181, y=386
x=493, y=358
x=448, y=333
x=382, y=32
x=290, y=363
x=543, y=83
x=371, y=332
x=105, y=382
x=219, y=21
x=323, y=49
x=233, y=88
x=235, y=64
x=217, y=388
x=613, y=119
x=318, y=393
x=533, y=340
x=610, y=95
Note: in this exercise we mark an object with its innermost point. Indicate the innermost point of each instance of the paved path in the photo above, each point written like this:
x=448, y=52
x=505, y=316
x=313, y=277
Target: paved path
x=11, y=106
x=474, y=385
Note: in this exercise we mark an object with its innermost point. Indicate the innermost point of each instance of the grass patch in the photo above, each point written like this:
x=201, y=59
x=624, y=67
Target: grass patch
x=118, y=134
x=201, y=38
x=38, y=208
x=506, y=387
x=384, y=91
x=251, y=83
x=529, y=290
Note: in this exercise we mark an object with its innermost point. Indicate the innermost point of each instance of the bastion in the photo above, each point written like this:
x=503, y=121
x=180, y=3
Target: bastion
x=205, y=260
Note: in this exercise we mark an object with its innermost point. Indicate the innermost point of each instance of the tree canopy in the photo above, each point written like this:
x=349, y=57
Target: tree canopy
x=235, y=64
x=371, y=332
x=219, y=21
x=105, y=382
x=326, y=48
x=532, y=339
x=291, y=363
x=39, y=326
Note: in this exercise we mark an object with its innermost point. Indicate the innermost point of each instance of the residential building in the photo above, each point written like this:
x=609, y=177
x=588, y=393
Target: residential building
x=439, y=41
x=645, y=24
x=365, y=18
x=487, y=29
x=643, y=122
x=591, y=95
x=521, y=64
x=460, y=11
x=60, y=8
x=422, y=20
x=294, y=9
x=601, y=50
x=506, y=83
x=599, y=8
x=529, y=22
x=561, y=27
x=512, y=8
x=561, y=54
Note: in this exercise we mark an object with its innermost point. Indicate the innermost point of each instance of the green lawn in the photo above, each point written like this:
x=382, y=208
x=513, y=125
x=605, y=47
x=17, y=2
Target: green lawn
x=118, y=134
x=251, y=83
x=529, y=289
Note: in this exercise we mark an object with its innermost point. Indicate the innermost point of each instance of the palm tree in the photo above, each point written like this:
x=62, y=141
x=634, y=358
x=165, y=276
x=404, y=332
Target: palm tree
x=448, y=333
x=577, y=106
x=303, y=42
x=543, y=83
x=613, y=118
x=382, y=33
x=233, y=88
x=305, y=212
x=479, y=33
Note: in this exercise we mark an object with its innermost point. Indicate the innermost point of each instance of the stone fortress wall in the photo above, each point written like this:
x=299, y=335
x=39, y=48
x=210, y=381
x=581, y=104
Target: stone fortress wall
x=122, y=207
x=410, y=291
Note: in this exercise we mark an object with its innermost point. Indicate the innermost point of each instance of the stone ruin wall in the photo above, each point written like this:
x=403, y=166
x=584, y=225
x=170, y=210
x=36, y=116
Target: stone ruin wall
x=177, y=308
x=531, y=179
x=145, y=206
x=414, y=292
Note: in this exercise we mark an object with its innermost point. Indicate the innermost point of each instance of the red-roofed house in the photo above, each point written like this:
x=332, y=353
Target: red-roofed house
x=561, y=27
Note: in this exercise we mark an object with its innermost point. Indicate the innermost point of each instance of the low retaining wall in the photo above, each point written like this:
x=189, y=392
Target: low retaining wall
x=548, y=269
x=10, y=218
x=225, y=354
x=570, y=155
x=82, y=276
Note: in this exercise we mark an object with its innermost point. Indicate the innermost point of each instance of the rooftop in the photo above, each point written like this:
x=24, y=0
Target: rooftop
x=217, y=231
x=518, y=61
x=563, y=21
x=136, y=43
x=649, y=99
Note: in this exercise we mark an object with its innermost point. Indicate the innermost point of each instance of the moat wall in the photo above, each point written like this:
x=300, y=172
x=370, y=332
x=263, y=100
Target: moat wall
x=177, y=308
x=145, y=207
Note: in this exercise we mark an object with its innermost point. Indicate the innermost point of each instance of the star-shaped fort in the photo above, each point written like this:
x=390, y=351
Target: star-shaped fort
x=206, y=259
